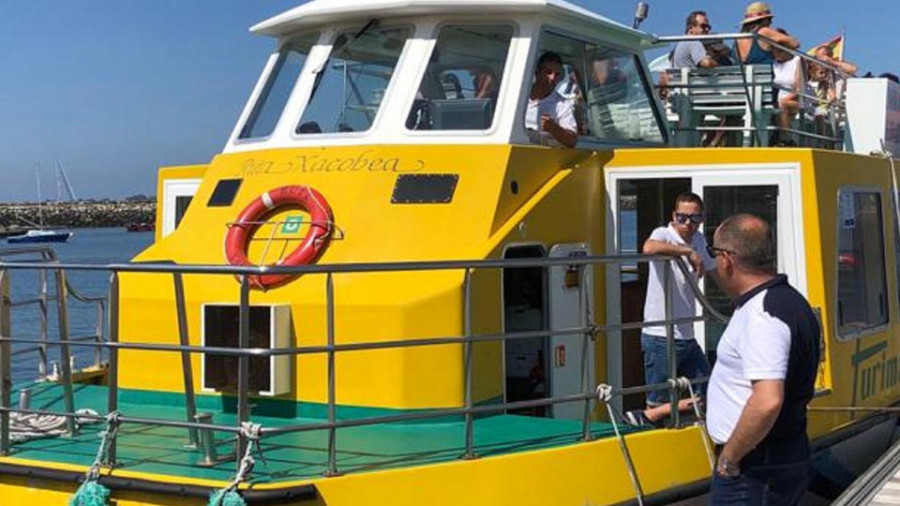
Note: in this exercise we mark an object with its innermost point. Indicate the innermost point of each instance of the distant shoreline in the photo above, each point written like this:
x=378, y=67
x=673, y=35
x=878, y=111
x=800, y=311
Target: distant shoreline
x=83, y=214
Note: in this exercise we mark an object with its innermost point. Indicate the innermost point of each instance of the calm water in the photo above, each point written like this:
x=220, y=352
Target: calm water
x=88, y=246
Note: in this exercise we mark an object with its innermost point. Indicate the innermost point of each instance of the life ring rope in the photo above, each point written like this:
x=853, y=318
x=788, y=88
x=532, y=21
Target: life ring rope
x=240, y=232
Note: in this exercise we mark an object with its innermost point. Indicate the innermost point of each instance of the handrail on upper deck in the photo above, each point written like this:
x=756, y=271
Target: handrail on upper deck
x=835, y=109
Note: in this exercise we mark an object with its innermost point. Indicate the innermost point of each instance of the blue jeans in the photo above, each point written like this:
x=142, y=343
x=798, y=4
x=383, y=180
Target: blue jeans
x=689, y=362
x=778, y=476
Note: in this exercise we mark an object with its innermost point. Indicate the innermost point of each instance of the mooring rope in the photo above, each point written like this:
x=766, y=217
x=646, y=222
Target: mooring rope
x=701, y=422
x=604, y=395
x=229, y=496
x=91, y=492
x=28, y=426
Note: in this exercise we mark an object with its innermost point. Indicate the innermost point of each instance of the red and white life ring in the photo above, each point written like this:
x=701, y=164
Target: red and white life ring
x=241, y=231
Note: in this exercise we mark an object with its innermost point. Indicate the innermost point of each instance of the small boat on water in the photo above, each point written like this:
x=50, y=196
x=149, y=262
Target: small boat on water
x=392, y=292
x=140, y=227
x=40, y=236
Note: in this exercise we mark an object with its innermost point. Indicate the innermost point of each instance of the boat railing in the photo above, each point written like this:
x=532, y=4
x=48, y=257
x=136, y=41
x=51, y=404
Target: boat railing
x=819, y=122
x=200, y=430
x=58, y=295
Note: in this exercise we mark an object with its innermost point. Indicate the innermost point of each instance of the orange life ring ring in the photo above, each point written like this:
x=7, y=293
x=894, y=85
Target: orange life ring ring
x=241, y=231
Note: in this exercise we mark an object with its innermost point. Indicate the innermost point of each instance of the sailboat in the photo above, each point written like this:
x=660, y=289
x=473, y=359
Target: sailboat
x=41, y=234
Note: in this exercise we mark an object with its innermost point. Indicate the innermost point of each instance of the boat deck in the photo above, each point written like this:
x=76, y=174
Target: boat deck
x=289, y=457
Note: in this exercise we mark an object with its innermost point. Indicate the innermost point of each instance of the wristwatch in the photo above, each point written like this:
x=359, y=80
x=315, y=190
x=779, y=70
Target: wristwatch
x=727, y=469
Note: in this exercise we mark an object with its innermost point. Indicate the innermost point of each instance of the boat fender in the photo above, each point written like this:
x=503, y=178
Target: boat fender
x=237, y=240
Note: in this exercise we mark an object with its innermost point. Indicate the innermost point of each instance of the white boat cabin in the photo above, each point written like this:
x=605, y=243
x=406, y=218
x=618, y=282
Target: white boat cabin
x=444, y=72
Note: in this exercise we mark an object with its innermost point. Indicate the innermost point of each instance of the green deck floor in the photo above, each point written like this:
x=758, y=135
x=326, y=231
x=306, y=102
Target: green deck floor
x=287, y=457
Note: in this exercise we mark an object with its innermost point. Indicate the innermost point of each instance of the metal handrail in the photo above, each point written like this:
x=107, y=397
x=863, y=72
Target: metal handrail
x=371, y=345
x=743, y=35
x=244, y=352
x=835, y=108
x=48, y=256
x=435, y=265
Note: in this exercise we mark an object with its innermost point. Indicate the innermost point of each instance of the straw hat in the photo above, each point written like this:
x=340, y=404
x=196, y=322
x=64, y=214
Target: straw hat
x=757, y=11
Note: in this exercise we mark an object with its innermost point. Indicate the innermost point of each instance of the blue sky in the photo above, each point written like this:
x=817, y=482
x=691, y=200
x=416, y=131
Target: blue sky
x=113, y=89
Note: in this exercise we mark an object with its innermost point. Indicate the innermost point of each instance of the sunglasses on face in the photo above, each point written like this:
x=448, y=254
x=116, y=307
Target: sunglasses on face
x=705, y=26
x=683, y=218
x=714, y=251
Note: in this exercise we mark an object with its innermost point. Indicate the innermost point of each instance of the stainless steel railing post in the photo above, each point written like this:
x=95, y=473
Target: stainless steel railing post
x=112, y=373
x=187, y=370
x=243, y=407
x=332, y=409
x=62, y=310
x=586, y=386
x=670, y=339
x=43, y=364
x=98, y=331
x=5, y=362
x=207, y=440
x=467, y=323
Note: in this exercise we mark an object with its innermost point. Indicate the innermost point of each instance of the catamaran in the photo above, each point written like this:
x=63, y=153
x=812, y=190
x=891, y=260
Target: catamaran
x=387, y=290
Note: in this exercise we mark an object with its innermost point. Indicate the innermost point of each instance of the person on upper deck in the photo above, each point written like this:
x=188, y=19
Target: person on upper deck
x=788, y=78
x=548, y=111
x=690, y=54
x=758, y=19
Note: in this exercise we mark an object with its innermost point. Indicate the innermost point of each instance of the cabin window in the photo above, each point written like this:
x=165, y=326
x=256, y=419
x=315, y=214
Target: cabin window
x=275, y=93
x=896, y=227
x=862, y=290
x=609, y=90
x=460, y=86
x=349, y=87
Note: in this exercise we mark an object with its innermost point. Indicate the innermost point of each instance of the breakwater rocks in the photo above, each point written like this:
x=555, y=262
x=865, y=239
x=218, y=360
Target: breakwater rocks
x=81, y=214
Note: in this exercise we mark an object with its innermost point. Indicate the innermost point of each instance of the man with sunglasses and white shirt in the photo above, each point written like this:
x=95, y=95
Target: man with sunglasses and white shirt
x=681, y=237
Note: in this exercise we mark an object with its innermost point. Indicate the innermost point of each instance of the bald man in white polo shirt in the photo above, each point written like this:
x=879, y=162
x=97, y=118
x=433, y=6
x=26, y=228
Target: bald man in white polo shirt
x=765, y=373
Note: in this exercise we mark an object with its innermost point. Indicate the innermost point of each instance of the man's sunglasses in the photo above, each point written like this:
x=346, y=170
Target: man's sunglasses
x=705, y=26
x=683, y=218
x=714, y=251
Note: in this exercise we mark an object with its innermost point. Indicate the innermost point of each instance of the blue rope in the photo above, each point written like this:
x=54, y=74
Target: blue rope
x=91, y=492
x=226, y=498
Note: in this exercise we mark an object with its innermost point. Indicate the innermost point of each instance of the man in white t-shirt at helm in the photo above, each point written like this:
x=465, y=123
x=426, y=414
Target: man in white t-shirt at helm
x=548, y=111
x=681, y=237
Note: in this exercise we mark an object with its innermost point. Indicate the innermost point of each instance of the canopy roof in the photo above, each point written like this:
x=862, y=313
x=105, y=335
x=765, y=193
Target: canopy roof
x=320, y=12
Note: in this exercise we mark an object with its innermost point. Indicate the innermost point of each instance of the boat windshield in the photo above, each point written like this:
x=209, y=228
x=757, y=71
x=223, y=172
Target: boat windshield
x=460, y=85
x=268, y=108
x=349, y=87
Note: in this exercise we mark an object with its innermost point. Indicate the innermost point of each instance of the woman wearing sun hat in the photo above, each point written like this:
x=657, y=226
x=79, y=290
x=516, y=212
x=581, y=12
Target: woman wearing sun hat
x=758, y=19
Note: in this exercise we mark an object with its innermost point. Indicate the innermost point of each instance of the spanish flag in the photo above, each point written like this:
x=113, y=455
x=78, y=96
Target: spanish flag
x=833, y=48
